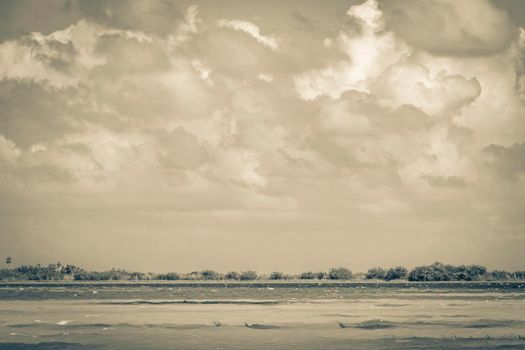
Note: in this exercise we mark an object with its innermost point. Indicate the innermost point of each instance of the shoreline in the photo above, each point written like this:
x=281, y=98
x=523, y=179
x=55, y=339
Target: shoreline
x=267, y=283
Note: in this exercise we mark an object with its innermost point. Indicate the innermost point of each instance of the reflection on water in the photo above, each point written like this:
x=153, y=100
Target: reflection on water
x=285, y=316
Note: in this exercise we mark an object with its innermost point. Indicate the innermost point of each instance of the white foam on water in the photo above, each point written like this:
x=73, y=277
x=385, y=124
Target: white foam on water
x=63, y=323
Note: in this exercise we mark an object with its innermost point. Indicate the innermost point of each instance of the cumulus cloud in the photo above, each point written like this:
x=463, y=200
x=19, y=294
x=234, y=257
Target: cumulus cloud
x=64, y=57
x=369, y=51
x=413, y=84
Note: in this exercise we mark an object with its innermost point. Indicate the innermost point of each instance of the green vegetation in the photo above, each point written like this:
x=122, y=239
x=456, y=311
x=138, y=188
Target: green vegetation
x=499, y=275
x=394, y=273
x=441, y=272
x=40, y=273
x=375, y=273
x=340, y=273
x=232, y=275
x=434, y=272
x=312, y=275
x=170, y=276
x=248, y=275
x=111, y=275
x=519, y=275
x=276, y=275
x=210, y=275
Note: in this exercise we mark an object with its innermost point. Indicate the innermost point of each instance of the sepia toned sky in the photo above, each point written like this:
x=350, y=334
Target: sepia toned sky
x=294, y=135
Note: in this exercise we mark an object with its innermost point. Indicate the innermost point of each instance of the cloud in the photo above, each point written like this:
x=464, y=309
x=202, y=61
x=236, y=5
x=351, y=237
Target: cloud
x=186, y=28
x=28, y=61
x=252, y=30
x=65, y=57
x=442, y=181
x=268, y=78
x=44, y=118
x=473, y=27
x=181, y=149
x=509, y=162
x=152, y=16
x=368, y=51
x=19, y=18
x=9, y=153
x=203, y=71
x=414, y=85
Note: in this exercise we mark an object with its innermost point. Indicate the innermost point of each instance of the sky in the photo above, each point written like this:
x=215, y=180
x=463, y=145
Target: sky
x=268, y=135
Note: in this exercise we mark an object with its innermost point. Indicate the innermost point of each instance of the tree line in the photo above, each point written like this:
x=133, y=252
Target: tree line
x=434, y=272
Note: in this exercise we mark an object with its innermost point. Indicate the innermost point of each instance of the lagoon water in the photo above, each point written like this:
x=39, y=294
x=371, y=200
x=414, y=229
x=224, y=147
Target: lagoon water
x=262, y=316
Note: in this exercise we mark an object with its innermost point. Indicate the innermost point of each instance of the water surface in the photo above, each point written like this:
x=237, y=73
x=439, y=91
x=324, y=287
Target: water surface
x=262, y=315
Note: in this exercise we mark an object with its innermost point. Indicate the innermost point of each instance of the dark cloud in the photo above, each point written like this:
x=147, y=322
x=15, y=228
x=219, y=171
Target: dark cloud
x=514, y=8
x=21, y=17
x=460, y=135
x=33, y=112
x=509, y=162
x=54, y=54
x=130, y=55
x=450, y=27
x=43, y=173
x=181, y=149
x=409, y=118
x=303, y=22
x=150, y=16
x=333, y=152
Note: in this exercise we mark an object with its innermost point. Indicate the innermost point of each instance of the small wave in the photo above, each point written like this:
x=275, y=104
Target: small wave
x=341, y=315
x=22, y=325
x=375, y=324
x=416, y=316
x=370, y=324
x=14, y=334
x=430, y=323
x=482, y=323
x=203, y=302
x=261, y=326
x=47, y=346
x=456, y=315
x=182, y=326
x=391, y=305
x=494, y=323
x=61, y=324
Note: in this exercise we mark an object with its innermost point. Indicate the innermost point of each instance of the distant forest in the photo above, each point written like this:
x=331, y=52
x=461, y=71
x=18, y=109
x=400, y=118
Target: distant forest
x=434, y=272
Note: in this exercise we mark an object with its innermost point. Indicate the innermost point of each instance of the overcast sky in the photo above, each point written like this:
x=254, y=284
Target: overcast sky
x=292, y=135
